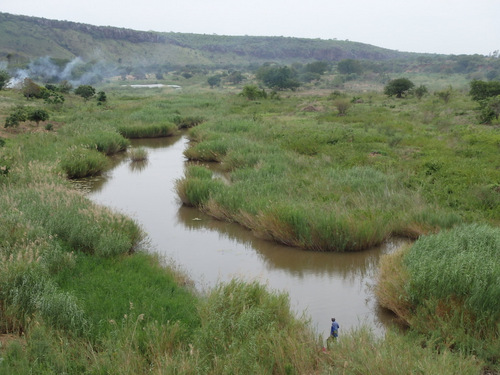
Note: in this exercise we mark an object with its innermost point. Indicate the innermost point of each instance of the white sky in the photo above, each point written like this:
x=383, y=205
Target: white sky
x=434, y=26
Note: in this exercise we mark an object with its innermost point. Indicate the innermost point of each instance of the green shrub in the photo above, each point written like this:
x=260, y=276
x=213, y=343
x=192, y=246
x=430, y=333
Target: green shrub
x=19, y=114
x=252, y=92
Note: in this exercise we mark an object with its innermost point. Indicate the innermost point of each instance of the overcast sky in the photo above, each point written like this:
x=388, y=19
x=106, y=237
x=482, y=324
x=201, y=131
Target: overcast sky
x=434, y=26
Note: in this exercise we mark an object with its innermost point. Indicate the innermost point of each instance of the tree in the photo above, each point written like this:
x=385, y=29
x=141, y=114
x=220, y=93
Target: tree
x=214, y=80
x=4, y=79
x=420, y=91
x=85, y=91
x=318, y=67
x=490, y=109
x=278, y=77
x=101, y=98
x=481, y=90
x=235, y=77
x=398, y=87
x=31, y=90
x=445, y=94
x=349, y=66
x=38, y=115
x=65, y=87
x=342, y=106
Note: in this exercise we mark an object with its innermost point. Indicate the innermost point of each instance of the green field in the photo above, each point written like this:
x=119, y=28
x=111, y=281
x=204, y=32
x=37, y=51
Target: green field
x=300, y=173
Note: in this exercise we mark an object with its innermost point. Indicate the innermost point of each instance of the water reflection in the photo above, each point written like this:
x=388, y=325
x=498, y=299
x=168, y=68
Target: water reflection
x=322, y=284
x=298, y=262
x=138, y=165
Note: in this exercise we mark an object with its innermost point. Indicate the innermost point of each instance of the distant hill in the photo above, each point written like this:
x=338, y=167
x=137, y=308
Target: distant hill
x=24, y=38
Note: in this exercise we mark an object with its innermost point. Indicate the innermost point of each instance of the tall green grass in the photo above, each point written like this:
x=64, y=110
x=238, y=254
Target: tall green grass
x=461, y=263
x=446, y=287
x=147, y=131
x=81, y=162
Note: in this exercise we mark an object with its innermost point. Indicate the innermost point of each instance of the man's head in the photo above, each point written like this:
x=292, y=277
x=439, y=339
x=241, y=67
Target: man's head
x=333, y=319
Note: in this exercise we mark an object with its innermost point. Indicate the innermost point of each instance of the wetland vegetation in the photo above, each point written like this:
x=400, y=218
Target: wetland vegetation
x=81, y=293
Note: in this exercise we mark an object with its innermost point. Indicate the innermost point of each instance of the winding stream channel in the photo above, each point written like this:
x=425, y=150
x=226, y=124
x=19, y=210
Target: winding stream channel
x=323, y=285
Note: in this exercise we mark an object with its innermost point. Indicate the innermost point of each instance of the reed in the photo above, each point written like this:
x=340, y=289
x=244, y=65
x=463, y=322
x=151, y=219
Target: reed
x=448, y=281
x=81, y=162
x=460, y=263
x=138, y=154
x=147, y=130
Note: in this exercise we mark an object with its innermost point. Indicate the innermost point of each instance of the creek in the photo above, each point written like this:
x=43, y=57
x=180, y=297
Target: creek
x=322, y=285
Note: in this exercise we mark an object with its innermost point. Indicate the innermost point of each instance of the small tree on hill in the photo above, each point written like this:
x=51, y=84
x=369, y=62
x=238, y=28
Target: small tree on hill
x=38, y=115
x=420, y=91
x=445, y=95
x=31, y=90
x=399, y=87
x=65, y=87
x=101, y=98
x=18, y=115
x=85, y=91
x=4, y=79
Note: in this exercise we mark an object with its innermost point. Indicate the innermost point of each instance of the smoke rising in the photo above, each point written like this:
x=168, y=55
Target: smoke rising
x=49, y=70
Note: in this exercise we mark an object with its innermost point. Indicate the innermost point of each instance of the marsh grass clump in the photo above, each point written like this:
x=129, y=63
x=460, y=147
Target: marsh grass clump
x=197, y=187
x=133, y=131
x=138, y=154
x=81, y=162
x=108, y=142
x=188, y=122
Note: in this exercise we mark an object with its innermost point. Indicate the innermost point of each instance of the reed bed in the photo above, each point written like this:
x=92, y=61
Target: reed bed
x=446, y=287
x=132, y=131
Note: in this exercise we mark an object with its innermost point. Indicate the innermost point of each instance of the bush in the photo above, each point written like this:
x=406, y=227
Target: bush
x=85, y=91
x=4, y=79
x=342, y=106
x=20, y=114
x=101, y=98
x=252, y=92
x=38, y=115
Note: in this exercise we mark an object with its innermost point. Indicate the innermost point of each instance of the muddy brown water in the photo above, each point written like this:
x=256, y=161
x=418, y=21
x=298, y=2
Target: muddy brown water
x=321, y=285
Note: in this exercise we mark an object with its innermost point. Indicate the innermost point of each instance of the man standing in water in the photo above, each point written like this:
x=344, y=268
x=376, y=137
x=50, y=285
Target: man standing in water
x=335, y=329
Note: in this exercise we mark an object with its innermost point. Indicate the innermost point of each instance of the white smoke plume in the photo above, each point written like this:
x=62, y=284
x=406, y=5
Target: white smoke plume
x=77, y=72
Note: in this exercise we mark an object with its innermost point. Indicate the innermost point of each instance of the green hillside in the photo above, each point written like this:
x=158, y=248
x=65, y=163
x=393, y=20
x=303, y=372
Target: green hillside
x=24, y=38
